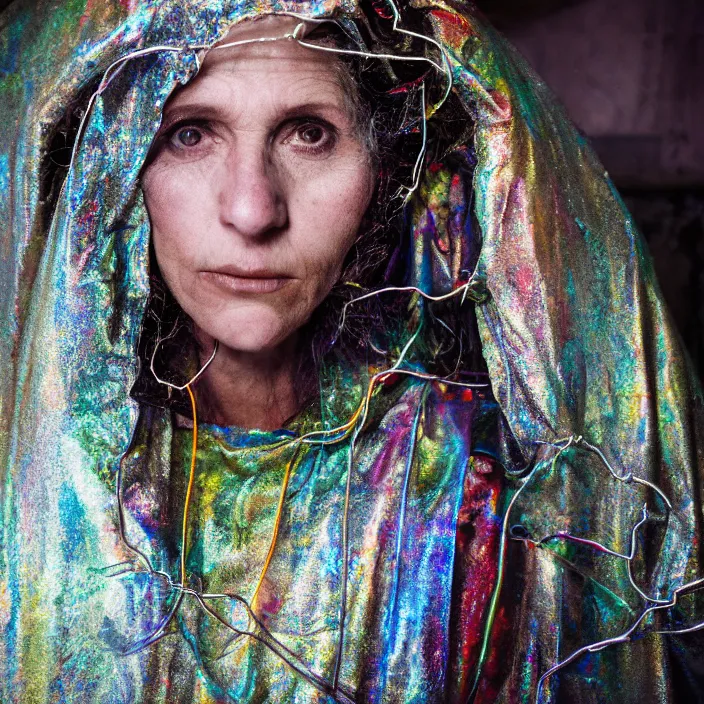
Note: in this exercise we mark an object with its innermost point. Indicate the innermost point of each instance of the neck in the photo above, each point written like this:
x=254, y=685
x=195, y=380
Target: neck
x=248, y=389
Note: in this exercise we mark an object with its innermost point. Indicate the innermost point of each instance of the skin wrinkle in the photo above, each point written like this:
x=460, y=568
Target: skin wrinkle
x=251, y=194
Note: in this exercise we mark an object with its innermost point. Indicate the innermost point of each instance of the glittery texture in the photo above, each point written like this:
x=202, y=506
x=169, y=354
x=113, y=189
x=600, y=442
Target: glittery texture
x=404, y=501
x=577, y=343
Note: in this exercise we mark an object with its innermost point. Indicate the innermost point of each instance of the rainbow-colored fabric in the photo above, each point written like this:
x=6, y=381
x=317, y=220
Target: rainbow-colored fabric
x=592, y=537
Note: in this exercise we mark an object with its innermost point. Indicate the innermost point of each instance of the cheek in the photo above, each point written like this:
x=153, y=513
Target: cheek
x=159, y=189
x=175, y=202
x=332, y=210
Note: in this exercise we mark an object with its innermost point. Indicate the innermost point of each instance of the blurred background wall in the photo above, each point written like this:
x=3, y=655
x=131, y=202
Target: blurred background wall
x=631, y=75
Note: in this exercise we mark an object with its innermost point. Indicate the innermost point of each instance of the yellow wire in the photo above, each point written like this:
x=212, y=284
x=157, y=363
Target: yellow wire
x=277, y=523
x=184, y=533
x=282, y=495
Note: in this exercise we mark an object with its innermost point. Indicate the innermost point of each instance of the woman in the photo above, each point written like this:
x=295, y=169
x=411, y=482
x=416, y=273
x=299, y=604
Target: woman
x=331, y=529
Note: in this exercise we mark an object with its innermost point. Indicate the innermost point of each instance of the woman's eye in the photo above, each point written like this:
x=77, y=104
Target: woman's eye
x=186, y=137
x=311, y=134
x=312, y=137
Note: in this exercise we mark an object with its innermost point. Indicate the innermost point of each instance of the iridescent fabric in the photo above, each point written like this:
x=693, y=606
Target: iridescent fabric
x=581, y=355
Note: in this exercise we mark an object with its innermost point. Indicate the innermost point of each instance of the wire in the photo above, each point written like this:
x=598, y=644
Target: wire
x=277, y=523
x=189, y=491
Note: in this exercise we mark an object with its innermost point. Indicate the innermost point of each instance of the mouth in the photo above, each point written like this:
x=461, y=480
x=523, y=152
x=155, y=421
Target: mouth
x=240, y=281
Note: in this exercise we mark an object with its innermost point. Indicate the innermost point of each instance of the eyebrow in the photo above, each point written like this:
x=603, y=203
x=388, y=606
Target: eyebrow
x=313, y=106
x=214, y=112
x=192, y=111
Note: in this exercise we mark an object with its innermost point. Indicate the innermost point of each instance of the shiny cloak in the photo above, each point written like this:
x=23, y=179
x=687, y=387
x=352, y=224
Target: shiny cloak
x=581, y=352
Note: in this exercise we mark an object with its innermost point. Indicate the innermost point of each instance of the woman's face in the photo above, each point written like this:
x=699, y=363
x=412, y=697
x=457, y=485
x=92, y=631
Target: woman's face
x=257, y=188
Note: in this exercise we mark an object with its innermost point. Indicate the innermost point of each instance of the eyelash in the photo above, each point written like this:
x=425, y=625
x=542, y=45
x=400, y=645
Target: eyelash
x=329, y=139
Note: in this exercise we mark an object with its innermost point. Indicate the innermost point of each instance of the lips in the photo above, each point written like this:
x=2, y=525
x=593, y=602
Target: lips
x=237, y=280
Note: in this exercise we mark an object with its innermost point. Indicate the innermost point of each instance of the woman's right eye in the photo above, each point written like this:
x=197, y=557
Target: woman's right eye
x=185, y=137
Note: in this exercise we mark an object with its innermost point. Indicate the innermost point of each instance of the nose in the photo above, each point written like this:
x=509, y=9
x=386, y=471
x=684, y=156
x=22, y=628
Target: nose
x=252, y=201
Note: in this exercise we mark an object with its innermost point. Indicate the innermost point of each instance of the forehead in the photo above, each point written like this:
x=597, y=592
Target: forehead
x=267, y=63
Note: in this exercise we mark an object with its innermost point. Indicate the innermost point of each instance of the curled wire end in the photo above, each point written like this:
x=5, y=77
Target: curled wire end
x=297, y=31
x=193, y=379
x=653, y=604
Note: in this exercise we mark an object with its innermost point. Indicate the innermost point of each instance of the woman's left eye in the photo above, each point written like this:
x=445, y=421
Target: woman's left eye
x=312, y=137
x=311, y=134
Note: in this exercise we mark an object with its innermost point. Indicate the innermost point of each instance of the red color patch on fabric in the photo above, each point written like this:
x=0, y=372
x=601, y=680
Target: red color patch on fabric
x=455, y=28
x=524, y=281
x=502, y=103
x=477, y=545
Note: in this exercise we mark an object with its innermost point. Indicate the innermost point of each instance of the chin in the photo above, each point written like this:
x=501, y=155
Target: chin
x=255, y=331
